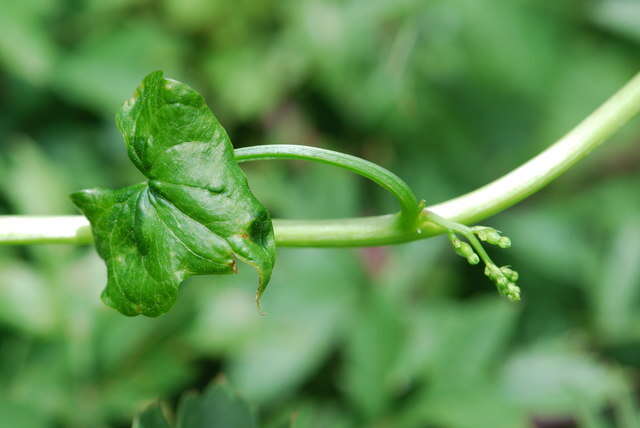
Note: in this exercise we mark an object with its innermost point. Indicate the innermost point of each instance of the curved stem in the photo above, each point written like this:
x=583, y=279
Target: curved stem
x=383, y=177
x=548, y=165
x=387, y=229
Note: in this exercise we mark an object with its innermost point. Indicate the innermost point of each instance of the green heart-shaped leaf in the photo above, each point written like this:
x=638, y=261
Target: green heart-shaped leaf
x=195, y=215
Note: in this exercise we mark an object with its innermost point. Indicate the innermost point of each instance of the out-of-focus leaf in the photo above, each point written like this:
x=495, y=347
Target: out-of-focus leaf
x=151, y=417
x=42, y=383
x=97, y=8
x=319, y=417
x=250, y=18
x=615, y=291
x=590, y=417
x=26, y=300
x=304, y=314
x=473, y=406
x=100, y=73
x=218, y=406
x=26, y=47
x=408, y=268
x=470, y=344
x=250, y=80
x=226, y=315
x=561, y=253
x=627, y=409
x=554, y=379
x=509, y=62
x=192, y=14
x=23, y=416
x=460, y=347
x=33, y=184
x=138, y=380
x=619, y=16
x=373, y=345
x=315, y=192
x=571, y=93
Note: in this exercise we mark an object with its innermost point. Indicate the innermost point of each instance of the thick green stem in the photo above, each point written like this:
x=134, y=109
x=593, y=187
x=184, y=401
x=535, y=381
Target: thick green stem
x=548, y=165
x=387, y=229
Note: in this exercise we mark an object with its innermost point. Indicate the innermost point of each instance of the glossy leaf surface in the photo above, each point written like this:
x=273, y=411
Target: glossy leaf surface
x=195, y=215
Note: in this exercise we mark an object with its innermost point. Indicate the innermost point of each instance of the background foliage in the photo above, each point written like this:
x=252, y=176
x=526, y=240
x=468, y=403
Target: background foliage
x=449, y=94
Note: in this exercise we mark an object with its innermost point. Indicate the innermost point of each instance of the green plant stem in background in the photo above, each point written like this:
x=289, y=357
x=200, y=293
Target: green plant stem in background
x=387, y=229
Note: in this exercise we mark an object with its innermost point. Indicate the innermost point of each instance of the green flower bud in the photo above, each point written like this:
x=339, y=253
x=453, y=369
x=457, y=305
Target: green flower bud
x=502, y=282
x=481, y=233
x=511, y=274
x=473, y=259
x=493, y=272
x=492, y=236
x=463, y=249
x=504, y=242
x=512, y=292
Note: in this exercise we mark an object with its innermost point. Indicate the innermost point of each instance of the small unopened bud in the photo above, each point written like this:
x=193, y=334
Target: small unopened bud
x=504, y=242
x=513, y=292
x=463, y=249
x=502, y=282
x=473, y=259
x=511, y=274
x=481, y=232
x=492, y=236
x=493, y=272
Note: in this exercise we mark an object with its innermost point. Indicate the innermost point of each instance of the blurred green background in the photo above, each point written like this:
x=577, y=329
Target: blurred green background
x=449, y=94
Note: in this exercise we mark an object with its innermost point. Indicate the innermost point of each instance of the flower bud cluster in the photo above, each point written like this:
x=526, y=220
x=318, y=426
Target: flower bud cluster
x=503, y=277
x=505, y=280
x=491, y=236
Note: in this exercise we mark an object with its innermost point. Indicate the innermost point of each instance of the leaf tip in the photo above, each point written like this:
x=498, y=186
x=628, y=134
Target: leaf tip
x=259, y=303
x=92, y=201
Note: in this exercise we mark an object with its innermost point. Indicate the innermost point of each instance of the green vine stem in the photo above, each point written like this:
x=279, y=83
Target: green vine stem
x=383, y=177
x=392, y=228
